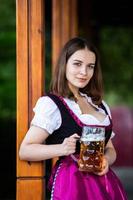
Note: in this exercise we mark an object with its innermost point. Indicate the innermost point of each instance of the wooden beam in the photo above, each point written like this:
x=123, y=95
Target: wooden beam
x=30, y=82
x=22, y=74
x=30, y=189
x=36, y=52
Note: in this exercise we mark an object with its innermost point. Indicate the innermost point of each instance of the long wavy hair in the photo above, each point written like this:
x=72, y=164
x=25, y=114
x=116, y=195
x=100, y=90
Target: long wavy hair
x=59, y=84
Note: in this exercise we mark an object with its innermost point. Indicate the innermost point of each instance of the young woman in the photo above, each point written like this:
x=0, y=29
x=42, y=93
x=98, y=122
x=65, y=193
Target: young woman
x=75, y=100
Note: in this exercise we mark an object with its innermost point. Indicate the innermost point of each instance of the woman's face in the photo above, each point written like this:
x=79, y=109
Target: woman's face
x=80, y=69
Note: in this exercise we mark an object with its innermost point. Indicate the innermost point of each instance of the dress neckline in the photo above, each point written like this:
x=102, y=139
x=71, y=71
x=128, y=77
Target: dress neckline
x=87, y=114
x=92, y=116
x=78, y=121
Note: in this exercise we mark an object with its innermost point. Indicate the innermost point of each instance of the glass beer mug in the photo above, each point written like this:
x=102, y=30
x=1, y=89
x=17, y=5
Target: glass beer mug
x=92, y=144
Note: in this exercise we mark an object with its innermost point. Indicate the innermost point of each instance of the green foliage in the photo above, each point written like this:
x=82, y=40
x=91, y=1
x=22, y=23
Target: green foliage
x=7, y=59
x=7, y=14
x=116, y=49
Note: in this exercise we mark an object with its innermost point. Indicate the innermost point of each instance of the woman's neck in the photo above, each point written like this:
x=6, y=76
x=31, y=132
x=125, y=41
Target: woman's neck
x=75, y=91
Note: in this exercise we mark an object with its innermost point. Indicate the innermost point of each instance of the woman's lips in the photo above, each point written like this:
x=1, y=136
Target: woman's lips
x=82, y=79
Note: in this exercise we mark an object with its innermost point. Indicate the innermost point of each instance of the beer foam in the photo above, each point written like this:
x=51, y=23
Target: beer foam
x=92, y=137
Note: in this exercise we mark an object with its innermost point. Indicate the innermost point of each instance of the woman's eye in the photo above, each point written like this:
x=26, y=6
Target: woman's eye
x=77, y=64
x=91, y=66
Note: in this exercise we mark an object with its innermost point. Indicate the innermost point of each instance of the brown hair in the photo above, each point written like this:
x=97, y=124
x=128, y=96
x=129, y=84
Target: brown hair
x=59, y=85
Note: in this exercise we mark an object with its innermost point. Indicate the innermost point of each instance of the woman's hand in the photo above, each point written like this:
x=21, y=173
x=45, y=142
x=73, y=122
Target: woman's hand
x=69, y=144
x=108, y=158
x=105, y=167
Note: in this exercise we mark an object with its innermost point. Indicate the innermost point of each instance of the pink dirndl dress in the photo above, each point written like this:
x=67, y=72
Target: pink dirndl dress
x=68, y=183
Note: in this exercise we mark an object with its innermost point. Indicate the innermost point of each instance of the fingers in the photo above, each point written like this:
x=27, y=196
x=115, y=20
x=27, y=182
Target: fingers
x=75, y=136
x=103, y=172
x=70, y=141
x=105, y=168
x=69, y=144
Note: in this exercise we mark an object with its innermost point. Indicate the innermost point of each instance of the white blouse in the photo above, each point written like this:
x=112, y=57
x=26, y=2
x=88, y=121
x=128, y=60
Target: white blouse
x=48, y=116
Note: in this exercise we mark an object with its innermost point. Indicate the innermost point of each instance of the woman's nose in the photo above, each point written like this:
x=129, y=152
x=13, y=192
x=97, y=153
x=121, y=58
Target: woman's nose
x=83, y=70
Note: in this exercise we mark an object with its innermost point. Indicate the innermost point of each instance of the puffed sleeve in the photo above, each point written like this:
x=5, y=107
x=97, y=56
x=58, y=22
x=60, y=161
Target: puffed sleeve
x=47, y=115
x=109, y=112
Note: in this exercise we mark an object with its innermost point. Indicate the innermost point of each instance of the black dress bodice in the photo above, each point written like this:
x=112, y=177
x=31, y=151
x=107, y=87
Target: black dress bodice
x=70, y=123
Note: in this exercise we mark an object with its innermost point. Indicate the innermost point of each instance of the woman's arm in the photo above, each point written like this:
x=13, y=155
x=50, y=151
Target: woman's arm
x=110, y=152
x=33, y=148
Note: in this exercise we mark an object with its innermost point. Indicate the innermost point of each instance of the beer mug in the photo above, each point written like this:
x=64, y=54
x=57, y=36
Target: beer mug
x=92, y=144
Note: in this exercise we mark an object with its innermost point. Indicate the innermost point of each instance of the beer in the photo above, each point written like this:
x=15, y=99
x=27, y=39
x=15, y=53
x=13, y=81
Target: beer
x=91, y=149
x=91, y=156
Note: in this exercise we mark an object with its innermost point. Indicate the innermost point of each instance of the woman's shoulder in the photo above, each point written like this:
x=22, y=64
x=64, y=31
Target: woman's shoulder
x=106, y=106
x=44, y=99
x=105, y=103
x=46, y=114
x=44, y=102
